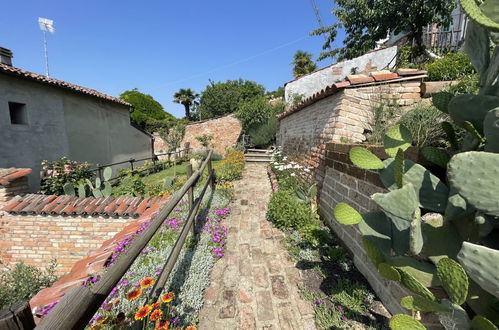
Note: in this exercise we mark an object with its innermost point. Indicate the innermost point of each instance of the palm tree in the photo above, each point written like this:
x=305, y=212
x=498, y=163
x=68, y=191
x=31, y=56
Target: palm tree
x=302, y=63
x=187, y=98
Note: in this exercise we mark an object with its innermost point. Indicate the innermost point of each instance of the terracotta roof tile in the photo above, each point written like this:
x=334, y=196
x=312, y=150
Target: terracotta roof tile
x=59, y=83
x=123, y=206
x=7, y=175
x=353, y=81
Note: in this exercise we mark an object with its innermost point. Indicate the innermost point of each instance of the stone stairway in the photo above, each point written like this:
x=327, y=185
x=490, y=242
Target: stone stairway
x=258, y=155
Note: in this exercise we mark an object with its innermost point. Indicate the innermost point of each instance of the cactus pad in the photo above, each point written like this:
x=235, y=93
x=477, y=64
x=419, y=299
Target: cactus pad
x=431, y=191
x=398, y=168
x=420, y=304
x=373, y=252
x=472, y=108
x=475, y=175
x=108, y=172
x=476, y=14
x=472, y=130
x=436, y=248
x=422, y=271
x=457, y=206
x=451, y=134
x=346, y=215
x=365, y=159
x=480, y=263
x=456, y=319
x=481, y=323
x=411, y=283
x=69, y=189
x=388, y=272
x=491, y=130
x=415, y=234
x=437, y=156
x=441, y=100
x=376, y=227
x=397, y=137
x=405, y=322
x=454, y=280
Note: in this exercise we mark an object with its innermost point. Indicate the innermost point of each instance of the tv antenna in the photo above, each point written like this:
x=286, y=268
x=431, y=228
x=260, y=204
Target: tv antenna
x=46, y=25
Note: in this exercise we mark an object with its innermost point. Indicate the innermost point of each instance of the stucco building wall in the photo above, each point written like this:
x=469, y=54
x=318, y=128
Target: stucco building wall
x=64, y=123
x=309, y=84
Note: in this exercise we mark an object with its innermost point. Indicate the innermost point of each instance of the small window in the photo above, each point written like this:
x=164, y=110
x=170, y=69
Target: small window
x=18, y=114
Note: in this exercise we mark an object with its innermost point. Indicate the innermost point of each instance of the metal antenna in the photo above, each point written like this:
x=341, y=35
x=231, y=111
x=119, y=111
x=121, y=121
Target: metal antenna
x=46, y=25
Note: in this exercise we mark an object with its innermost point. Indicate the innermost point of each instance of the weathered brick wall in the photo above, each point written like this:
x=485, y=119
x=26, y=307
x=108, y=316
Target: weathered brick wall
x=347, y=183
x=13, y=182
x=36, y=240
x=345, y=114
x=225, y=131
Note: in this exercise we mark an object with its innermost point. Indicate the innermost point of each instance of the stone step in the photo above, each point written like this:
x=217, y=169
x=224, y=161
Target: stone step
x=260, y=150
x=251, y=160
x=251, y=154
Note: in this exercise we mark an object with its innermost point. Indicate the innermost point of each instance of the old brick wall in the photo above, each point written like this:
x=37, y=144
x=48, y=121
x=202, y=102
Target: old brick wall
x=345, y=114
x=36, y=240
x=225, y=131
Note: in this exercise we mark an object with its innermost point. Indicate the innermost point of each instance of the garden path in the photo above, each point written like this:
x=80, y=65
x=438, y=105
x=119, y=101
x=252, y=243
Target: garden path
x=254, y=286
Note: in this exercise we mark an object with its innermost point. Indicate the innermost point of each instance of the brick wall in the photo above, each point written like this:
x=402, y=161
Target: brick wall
x=36, y=240
x=225, y=131
x=13, y=182
x=347, y=183
x=345, y=114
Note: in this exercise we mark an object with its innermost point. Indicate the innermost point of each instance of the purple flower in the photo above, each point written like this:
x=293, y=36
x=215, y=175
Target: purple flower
x=319, y=301
x=340, y=308
x=136, y=284
x=343, y=317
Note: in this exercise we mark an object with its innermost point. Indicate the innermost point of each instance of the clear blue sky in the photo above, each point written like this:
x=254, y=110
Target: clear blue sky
x=161, y=46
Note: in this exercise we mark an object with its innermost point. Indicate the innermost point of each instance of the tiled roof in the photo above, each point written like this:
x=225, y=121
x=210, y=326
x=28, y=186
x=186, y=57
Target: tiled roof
x=358, y=80
x=36, y=204
x=7, y=175
x=59, y=83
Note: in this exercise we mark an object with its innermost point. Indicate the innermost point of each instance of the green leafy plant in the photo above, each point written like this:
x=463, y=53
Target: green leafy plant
x=451, y=66
x=205, y=140
x=99, y=188
x=130, y=186
x=24, y=281
x=286, y=212
x=60, y=172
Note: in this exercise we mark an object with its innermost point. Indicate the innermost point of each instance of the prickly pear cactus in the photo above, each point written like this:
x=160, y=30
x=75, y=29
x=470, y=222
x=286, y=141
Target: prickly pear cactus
x=454, y=280
x=405, y=322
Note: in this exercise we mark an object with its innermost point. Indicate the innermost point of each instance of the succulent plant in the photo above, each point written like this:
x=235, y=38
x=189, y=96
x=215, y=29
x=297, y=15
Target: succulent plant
x=101, y=188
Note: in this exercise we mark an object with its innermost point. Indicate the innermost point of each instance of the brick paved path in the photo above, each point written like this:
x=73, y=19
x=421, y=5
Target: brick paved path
x=255, y=285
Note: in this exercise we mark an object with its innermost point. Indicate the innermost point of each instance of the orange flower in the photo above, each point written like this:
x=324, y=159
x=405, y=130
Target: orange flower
x=191, y=327
x=147, y=282
x=162, y=325
x=134, y=294
x=143, y=312
x=156, y=305
x=167, y=297
x=156, y=315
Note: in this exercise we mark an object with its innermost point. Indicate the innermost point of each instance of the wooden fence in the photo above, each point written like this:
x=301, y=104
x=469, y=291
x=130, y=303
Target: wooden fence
x=78, y=306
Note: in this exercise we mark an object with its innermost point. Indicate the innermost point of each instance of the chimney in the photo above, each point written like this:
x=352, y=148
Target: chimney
x=5, y=56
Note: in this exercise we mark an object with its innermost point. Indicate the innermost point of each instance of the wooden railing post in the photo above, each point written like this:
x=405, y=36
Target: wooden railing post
x=210, y=169
x=18, y=316
x=99, y=171
x=190, y=196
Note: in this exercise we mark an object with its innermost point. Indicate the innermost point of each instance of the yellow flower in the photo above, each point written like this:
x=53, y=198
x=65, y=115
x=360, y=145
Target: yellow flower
x=143, y=312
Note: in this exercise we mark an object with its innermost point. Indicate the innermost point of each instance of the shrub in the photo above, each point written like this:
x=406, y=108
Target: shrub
x=231, y=167
x=263, y=135
x=24, y=281
x=424, y=124
x=451, y=66
x=205, y=140
x=130, y=186
x=384, y=115
x=286, y=212
x=59, y=172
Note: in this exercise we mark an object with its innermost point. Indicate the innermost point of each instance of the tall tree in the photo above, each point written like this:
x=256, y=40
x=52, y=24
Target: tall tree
x=187, y=97
x=146, y=109
x=368, y=21
x=223, y=98
x=302, y=63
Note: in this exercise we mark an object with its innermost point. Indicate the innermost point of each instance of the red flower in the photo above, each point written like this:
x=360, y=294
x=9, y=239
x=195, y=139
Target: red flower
x=167, y=297
x=143, y=312
x=134, y=294
x=147, y=282
x=162, y=325
x=156, y=305
x=191, y=327
x=156, y=315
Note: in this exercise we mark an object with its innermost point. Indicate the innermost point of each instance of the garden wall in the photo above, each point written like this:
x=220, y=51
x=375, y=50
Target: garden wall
x=38, y=228
x=341, y=111
x=225, y=131
x=347, y=183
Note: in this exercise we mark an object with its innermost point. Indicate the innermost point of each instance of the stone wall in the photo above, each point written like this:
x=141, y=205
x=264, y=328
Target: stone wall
x=347, y=183
x=13, y=182
x=225, y=131
x=309, y=84
x=36, y=240
x=345, y=114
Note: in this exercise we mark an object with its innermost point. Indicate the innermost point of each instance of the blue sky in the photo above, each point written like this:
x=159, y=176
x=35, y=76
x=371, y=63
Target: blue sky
x=162, y=46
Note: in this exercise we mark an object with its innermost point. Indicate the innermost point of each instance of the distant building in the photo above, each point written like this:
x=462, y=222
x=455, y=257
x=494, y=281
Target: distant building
x=42, y=118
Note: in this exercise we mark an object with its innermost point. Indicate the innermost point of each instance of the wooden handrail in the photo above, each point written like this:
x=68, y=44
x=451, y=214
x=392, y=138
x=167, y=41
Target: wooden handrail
x=77, y=307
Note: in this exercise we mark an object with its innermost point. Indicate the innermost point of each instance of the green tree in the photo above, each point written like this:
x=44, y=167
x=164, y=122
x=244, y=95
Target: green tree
x=187, y=97
x=367, y=21
x=302, y=63
x=145, y=109
x=173, y=136
x=223, y=98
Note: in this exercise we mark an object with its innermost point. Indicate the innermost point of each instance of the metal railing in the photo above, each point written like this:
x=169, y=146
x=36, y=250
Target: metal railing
x=78, y=306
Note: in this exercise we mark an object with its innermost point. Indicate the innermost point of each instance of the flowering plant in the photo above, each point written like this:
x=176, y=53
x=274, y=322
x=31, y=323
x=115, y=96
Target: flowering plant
x=59, y=172
x=231, y=167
